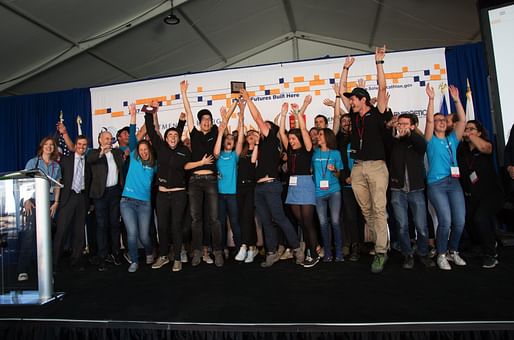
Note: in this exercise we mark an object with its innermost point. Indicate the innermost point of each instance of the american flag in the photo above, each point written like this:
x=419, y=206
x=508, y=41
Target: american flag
x=61, y=144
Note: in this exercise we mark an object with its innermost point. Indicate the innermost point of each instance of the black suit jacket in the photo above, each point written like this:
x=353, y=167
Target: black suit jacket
x=99, y=171
x=67, y=170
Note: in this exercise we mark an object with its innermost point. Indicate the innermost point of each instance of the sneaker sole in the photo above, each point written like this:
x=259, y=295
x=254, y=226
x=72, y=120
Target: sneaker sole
x=159, y=266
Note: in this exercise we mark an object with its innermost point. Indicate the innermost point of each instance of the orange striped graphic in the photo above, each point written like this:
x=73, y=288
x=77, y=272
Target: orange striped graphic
x=302, y=89
x=298, y=79
x=219, y=96
x=435, y=77
x=286, y=85
x=369, y=77
x=100, y=111
x=437, y=66
x=316, y=82
x=405, y=69
x=316, y=77
x=261, y=88
x=199, y=89
x=443, y=71
x=317, y=92
x=117, y=114
x=149, y=100
x=274, y=91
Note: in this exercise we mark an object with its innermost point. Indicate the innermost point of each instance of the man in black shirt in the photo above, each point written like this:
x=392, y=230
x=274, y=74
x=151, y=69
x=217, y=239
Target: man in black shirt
x=268, y=199
x=203, y=183
x=369, y=175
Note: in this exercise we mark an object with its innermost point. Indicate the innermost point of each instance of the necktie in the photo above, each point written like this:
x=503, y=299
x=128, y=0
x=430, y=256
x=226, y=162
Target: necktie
x=78, y=177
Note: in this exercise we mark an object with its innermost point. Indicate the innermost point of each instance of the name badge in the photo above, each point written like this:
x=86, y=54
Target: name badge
x=293, y=181
x=473, y=177
x=455, y=171
x=323, y=185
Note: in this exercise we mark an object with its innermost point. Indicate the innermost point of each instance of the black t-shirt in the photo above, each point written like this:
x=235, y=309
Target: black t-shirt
x=202, y=144
x=245, y=168
x=269, y=155
x=299, y=161
x=170, y=162
x=370, y=129
x=487, y=183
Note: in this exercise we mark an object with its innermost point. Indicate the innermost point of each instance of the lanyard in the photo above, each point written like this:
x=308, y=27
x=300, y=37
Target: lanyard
x=324, y=168
x=50, y=165
x=450, y=151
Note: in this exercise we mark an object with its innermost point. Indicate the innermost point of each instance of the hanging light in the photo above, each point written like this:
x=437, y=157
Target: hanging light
x=171, y=19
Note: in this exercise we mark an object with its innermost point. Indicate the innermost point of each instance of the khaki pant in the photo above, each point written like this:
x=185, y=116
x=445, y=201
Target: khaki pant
x=369, y=184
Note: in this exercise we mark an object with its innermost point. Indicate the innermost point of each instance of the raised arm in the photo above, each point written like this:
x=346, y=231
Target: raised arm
x=343, y=81
x=256, y=115
x=132, y=127
x=240, y=127
x=217, y=146
x=429, y=124
x=282, y=125
x=382, y=87
x=187, y=107
x=301, y=119
x=64, y=132
x=181, y=123
x=461, y=124
x=337, y=114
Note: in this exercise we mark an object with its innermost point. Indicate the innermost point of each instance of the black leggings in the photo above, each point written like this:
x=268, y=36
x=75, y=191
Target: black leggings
x=246, y=206
x=304, y=216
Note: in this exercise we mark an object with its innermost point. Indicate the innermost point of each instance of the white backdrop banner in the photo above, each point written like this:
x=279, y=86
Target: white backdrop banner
x=406, y=72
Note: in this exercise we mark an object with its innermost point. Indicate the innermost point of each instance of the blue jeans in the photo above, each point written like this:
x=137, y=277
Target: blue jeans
x=229, y=202
x=136, y=216
x=401, y=202
x=334, y=202
x=448, y=200
x=269, y=208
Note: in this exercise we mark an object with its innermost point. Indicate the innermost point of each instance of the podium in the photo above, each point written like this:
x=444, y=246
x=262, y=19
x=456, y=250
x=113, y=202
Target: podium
x=25, y=239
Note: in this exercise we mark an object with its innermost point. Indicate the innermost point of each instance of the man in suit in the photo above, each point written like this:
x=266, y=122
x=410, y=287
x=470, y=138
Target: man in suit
x=105, y=191
x=73, y=203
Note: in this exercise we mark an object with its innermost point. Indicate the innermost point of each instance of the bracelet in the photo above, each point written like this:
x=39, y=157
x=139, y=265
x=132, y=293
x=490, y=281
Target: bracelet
x=346, y=68
x=379, y=62
x=338, y=96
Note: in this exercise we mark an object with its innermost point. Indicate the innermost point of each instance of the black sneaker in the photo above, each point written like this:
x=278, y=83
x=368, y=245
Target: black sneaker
x=489, y=262
x=427, y=261
x=102, y=267
x=408, y=262
x=310, y=262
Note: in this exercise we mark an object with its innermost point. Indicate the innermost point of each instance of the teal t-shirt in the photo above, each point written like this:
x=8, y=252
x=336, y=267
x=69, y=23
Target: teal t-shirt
x=138, y=184
x=320, y=162
x=441, y=155
x=227, y=172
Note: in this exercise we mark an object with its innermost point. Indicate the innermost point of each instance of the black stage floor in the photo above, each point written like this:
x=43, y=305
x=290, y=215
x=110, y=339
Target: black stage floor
x=330, y=294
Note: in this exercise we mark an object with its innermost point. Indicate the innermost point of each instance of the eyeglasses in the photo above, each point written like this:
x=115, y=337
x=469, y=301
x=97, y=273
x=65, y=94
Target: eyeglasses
x=438, y=120
x=470, y=129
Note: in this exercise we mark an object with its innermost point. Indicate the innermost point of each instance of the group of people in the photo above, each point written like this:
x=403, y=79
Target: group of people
x=311, y=191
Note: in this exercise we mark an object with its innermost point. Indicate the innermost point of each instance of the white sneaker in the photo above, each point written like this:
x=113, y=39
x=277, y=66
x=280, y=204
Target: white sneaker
x=23, y=277
x=183, y=256
x=207, y=259
x=442, y=262
x=455, y=258
x=241, y=255
x=250, y=255
x=133, y=267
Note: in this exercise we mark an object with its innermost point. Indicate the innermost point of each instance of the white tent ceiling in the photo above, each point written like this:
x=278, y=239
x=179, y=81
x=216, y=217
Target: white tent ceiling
x=50, y=45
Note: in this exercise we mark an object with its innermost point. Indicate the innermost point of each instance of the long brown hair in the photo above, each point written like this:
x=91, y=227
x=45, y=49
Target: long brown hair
x=54, y=155
x=151, y=158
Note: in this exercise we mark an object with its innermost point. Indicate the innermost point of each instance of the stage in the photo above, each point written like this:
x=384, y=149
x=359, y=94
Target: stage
x=239, y=301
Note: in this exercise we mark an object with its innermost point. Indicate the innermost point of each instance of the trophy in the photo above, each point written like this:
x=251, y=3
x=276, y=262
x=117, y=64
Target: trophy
x=79, y=127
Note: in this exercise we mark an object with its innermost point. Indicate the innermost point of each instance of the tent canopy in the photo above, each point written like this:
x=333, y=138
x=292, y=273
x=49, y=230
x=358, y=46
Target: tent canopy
x=51, y=45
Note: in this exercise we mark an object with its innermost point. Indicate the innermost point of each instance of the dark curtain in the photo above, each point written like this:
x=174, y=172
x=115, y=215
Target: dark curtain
x=28, y=119
x=469, y=62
